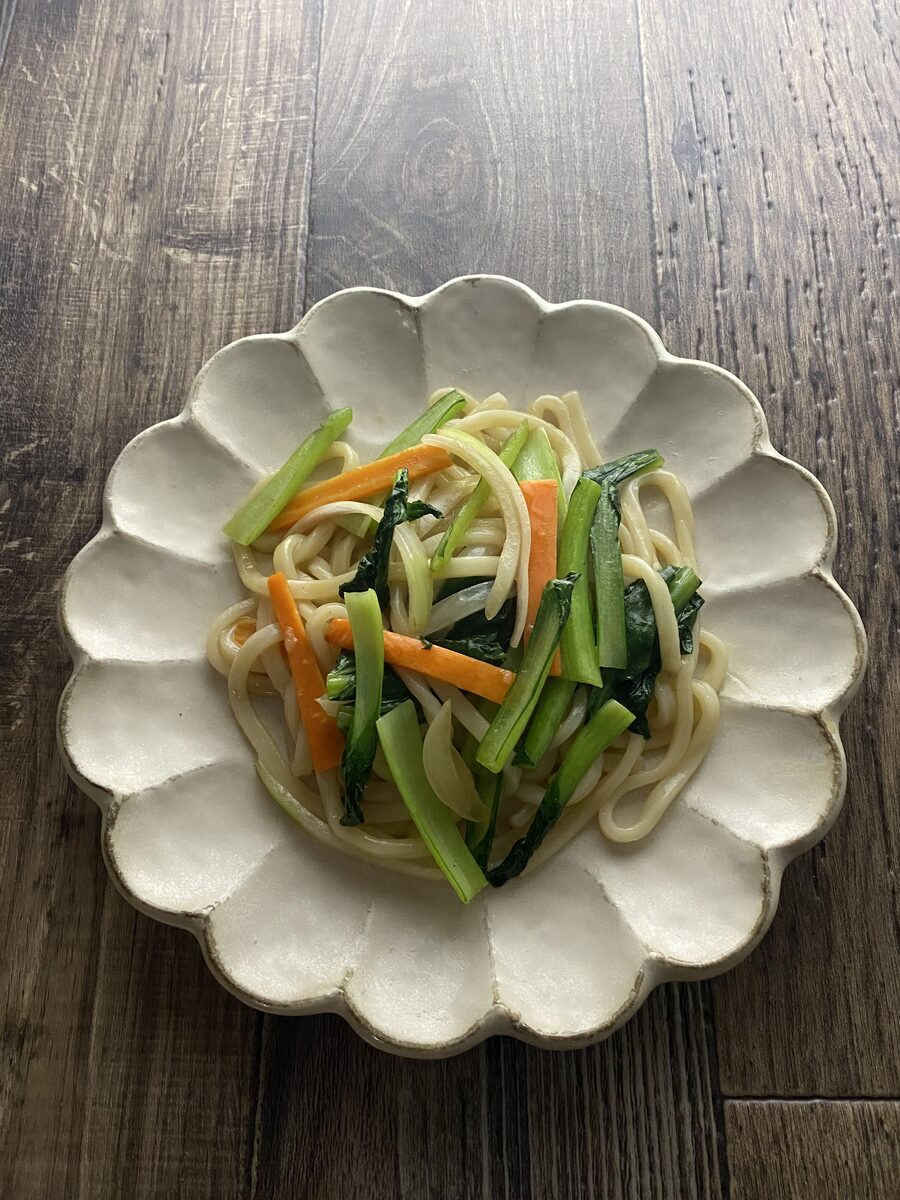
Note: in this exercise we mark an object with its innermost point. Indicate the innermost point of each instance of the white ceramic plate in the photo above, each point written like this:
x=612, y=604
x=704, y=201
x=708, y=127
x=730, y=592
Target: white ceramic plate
x=561, y=957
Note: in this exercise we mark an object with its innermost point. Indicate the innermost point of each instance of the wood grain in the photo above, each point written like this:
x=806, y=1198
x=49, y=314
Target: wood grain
x=477, y=138
x=176, y=175
x=7, y=10
x=775, y=176
x=150, y=214
x=830, y=1151
x=633, y=1117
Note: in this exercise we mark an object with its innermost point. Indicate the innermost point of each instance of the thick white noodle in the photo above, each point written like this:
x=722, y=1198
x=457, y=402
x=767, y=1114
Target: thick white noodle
x=301, y=760
x=466, y=566
x=679, y=504
x=513, y=563
x=717, y=667
x=574, y=820
x=464, y=711
x=296, y=548
x=418, y=687
x=581, y=432
x=566, y=451
x=343, y=453
x=419, y=579
x=665, y=550
x=276, y=667
x=669, y=784
x=566, y=413
x=266, y=638
x=224, y=622
x=331, y=512
x=530, y=793
x=634, y=521
x=376, y=845
x=573, y=719
x=316, y=628
x=488, y=534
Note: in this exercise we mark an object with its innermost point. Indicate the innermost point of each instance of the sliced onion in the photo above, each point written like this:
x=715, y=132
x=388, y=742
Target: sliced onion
x=417, y=686
x=446, y=772
x=461, y=604
x=464, y=711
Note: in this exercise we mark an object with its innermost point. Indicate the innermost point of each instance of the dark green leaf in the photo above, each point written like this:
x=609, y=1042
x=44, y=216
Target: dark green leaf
x=636, y=692
x=372, y=571
x=549, y=714
x=590, y=742
x=620, y=469
x=640, y=627
x=597, y=697
x=341, y=683
x=449, y=587
x=483, y=646
x=499, y=627
x=687, y=610
x=358, y=755
x=416, y=509
x=634, y=687
x=345, y=715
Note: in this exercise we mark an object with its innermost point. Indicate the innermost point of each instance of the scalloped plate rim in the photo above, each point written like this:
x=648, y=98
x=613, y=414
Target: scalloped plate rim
x=497, y=1020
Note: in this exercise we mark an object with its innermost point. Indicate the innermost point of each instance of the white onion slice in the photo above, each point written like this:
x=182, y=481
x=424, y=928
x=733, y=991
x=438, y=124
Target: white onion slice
x=446, y=772
x=461, y=604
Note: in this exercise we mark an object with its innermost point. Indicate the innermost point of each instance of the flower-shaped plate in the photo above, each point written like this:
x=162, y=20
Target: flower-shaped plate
x=565, y=955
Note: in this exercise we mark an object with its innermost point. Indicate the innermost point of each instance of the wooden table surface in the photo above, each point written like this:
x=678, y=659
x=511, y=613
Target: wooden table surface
x=177, y=173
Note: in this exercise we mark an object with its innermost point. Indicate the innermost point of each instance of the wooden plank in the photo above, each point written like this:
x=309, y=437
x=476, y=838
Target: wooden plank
x=504, y=137
x=486, y=138
x=813, y=1151
x=153, y=188
x=630, y=1118
x=7, y=12
x=772, y=139
x=154, y=174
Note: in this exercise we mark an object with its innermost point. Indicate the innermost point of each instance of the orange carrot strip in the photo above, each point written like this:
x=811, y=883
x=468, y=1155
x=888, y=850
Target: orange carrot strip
x=470, y=674
x=540, y=497
x=326, y=742
x=362, y=481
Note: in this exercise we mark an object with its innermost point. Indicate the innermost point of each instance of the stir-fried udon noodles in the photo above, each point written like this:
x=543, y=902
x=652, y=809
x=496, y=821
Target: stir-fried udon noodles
x=482, y=642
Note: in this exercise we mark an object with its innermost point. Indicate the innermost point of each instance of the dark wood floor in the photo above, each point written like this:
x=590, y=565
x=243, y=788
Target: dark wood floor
x=175, y=174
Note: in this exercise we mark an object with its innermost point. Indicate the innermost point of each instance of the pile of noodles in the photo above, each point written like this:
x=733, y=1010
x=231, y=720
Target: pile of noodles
x=629, y=787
